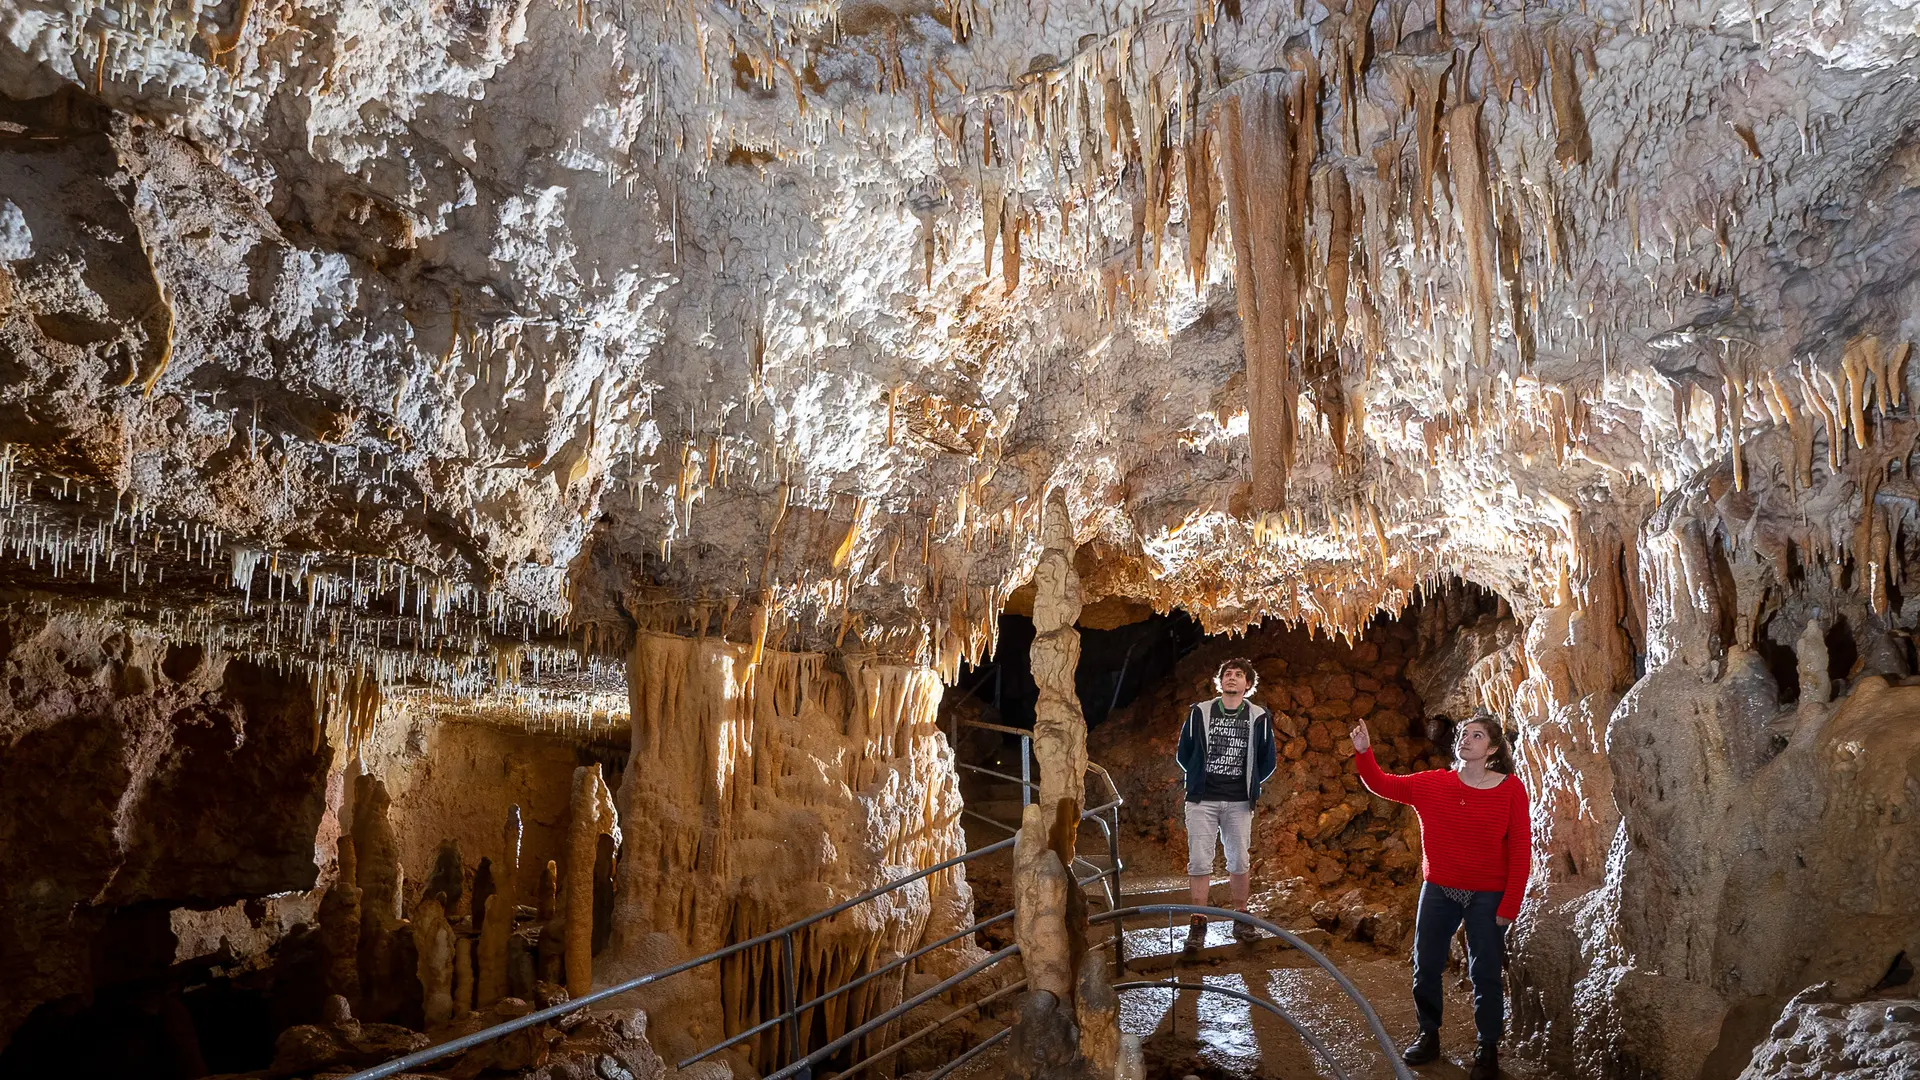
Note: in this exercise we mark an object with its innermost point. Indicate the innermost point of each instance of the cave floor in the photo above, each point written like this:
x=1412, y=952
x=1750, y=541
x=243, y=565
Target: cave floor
x=1216, y=1037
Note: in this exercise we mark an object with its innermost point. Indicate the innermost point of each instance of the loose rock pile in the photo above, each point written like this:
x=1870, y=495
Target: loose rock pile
x=1324, y=850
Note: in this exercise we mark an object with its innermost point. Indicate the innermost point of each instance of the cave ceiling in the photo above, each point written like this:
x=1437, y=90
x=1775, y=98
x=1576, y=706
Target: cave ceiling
x=429, y=341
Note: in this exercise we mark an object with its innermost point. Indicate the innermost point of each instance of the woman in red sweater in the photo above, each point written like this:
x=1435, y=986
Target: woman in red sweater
x=1477, y=848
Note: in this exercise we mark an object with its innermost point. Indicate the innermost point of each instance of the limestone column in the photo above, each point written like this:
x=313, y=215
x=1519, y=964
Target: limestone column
x=496, y=925
x=1059, y=728
x=592, y=815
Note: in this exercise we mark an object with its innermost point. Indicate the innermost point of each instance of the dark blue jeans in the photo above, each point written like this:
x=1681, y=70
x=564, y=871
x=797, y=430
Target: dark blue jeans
x=1433, y=929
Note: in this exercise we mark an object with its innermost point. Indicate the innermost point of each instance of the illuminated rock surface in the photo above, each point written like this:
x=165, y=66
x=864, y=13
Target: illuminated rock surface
x=414, y=392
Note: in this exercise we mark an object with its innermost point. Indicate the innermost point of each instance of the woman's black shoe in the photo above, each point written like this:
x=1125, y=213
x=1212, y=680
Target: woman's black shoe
x=1486, y=1064
x=1424, y=1049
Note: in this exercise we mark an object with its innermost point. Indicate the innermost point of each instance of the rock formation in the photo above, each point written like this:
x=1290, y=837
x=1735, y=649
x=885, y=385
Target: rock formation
x=451, y=396
x=816, y=781
x=433, y=943
x=592, y=816
x=497, y=919
x=1059, y=730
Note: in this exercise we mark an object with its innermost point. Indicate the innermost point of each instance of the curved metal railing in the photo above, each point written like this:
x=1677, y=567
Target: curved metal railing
x=1273, y=1007
x=1346, y=985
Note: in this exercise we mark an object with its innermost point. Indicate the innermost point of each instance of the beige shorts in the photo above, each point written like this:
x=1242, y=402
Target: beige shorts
x=1230, y=823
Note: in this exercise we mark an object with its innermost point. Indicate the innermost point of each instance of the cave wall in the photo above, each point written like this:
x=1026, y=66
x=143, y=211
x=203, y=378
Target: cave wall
x=760, y=791
x=1707, y=849
x=138, y=779
x=451, y=780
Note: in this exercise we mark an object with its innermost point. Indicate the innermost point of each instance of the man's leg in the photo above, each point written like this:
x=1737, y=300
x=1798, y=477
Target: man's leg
x=1433, y=928
x=1203, y=829
x=1236, y=835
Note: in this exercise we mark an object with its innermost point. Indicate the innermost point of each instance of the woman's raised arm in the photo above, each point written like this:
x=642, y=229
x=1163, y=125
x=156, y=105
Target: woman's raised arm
x=1378, y=780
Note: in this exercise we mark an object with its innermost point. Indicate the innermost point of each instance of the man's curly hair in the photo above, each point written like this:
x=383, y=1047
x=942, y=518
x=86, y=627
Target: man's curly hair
x=1243, y=665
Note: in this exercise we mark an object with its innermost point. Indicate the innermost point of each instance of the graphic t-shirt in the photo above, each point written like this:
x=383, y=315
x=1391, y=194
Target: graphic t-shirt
x=1226, y=755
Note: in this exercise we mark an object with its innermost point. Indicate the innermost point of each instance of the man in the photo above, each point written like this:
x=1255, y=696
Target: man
x=1226, y=751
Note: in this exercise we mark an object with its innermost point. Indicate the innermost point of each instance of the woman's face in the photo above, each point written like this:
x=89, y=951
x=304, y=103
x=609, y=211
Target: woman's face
x=1472, y=743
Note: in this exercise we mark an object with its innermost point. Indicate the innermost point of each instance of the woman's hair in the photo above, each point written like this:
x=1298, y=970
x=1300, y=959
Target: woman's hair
x=1499, y=750
x=1242, y=665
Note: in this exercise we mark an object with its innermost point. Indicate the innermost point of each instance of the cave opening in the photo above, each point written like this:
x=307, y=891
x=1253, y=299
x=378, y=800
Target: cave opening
x=1324, y=853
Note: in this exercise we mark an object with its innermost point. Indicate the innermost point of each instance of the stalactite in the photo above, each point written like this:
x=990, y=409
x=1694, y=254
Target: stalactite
x=1258, y=158
x=1012, y=222
x=1427, y=127
x=1860, y=358
x=1800, y=476
x=1467, y=164
x=1339, y=249
x=992, y=205
x=1573, y=146
x=1202, y=199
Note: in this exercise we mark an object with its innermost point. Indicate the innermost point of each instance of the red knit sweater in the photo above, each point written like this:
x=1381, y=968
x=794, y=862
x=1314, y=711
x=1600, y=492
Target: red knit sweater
x=1469, y=838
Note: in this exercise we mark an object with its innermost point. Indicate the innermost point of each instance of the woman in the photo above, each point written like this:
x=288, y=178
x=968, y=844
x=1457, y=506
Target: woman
x=1477, y=849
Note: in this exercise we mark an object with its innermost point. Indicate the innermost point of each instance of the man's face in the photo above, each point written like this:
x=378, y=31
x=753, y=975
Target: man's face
x=1233, y=681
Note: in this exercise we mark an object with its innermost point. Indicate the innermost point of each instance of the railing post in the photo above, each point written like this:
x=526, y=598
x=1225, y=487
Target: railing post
x=1026, y=770
x=1119, y=897
x=790, y=996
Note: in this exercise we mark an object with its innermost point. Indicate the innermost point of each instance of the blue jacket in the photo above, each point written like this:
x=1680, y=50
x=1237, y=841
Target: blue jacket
x=1192, y=754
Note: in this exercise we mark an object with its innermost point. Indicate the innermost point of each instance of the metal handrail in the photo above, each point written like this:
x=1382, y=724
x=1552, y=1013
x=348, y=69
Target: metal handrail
x=889, y=1016
x=979, y=1048
x=790, y=1014
x=1366, y=1008
x=896, y=1047
x=844, y=987
x=1306, y=1036
x=783, y=934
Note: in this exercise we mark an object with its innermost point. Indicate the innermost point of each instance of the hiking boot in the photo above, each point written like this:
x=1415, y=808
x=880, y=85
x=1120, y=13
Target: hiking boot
x=1486, y=1064
x=1196, y=934
x=1245, y=931
x=1425, y=1049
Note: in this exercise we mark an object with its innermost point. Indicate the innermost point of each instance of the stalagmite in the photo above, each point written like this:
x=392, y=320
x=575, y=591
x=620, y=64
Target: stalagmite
x=1040, y=906
x=377, y=859
x=1810, y=654
x=1097, y=1008
x=1059, y=729
x=496, y=923
x=548, y=897
x=462, y=976
x=433, y=946
x=592, y=814
x=340, y=926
